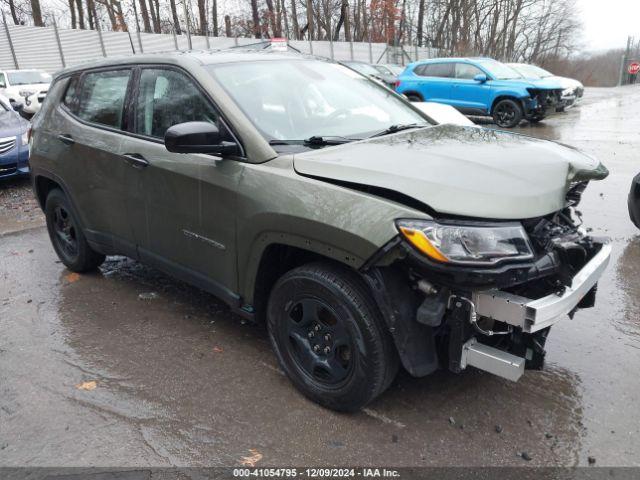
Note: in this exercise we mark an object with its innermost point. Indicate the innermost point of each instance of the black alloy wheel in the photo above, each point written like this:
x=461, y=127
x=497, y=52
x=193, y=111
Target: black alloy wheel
x=329, y=336
x=507, y=113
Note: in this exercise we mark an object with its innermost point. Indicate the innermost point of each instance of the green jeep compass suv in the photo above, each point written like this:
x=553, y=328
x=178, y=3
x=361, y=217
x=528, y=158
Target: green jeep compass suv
x=311, y=198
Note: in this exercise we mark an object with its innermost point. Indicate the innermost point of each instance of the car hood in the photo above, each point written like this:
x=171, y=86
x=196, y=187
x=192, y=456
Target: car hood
x=462, y=171
x=567, y=82
x=11, y=124
x=37, y=87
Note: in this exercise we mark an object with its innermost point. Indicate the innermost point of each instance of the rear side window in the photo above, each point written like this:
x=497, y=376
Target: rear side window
x=445, y=70
x=102, y=97
x=166, y=98
x=466, y=71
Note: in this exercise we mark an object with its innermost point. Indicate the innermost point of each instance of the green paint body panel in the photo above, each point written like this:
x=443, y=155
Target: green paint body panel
x=214, y=217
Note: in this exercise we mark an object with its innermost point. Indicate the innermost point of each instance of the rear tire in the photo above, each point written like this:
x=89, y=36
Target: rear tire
x=329, y=336
x=66, y=235
x=507, y=113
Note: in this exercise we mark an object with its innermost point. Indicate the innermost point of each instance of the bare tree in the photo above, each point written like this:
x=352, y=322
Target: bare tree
x=36, y=13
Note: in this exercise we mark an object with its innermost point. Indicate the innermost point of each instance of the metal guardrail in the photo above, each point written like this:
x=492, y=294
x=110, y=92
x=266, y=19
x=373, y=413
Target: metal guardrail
x=52, y=48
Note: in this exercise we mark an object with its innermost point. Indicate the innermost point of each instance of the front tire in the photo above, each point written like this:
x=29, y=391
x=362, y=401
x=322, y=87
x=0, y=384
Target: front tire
x=66, y=235
x=329, y=336
x=507, y=113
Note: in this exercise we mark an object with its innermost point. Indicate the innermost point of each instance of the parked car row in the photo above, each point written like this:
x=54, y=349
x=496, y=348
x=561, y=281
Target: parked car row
x=480, y=86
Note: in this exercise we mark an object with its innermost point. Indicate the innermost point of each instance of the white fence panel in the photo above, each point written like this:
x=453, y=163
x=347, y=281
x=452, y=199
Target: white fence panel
x=35, y=47
x=6, y=59
x=117, y=43
x=80, y=46
x=157, y=42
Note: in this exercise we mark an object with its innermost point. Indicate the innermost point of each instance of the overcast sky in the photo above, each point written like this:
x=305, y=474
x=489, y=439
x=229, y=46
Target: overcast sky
x=607, y=23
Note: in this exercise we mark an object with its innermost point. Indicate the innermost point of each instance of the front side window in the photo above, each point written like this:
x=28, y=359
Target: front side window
x=299, y=99
x=467, y=71
x=103, y=95
x=167, y=98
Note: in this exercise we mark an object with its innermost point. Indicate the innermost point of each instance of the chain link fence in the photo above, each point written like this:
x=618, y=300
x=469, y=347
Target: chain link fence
x=51, y=48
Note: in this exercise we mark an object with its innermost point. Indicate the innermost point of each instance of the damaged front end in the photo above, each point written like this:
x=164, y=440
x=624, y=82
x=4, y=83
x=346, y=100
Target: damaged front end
x=542, y=102
x=492, y=305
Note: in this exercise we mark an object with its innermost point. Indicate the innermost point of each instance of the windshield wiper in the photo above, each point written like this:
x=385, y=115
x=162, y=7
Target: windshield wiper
x=315, y=141
x=397, y=128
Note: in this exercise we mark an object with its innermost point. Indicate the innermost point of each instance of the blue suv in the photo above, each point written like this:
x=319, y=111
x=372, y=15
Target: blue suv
x=14, y=144
x=480, y=86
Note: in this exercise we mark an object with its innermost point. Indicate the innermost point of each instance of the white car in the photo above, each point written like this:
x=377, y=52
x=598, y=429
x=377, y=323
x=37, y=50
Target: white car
x=25, y=89
x=572, y=89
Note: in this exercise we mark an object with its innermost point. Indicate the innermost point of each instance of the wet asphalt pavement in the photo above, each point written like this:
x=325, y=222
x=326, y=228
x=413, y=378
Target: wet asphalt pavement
x=96, y=371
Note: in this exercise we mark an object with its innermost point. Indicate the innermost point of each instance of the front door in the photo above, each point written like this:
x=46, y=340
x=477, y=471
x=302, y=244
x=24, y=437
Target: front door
x=184, y=206
x=467, y=94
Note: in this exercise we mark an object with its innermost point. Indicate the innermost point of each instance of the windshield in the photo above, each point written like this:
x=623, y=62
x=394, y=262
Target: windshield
x=28, y=77
x=498, y=70
x=530, y=71
x=299, y=99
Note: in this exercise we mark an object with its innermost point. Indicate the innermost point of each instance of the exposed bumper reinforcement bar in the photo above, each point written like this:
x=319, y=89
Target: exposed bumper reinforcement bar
x=533, y=315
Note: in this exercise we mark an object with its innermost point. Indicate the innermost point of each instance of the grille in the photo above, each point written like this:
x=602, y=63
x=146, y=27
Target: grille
x=6, y=144
x=8, y=169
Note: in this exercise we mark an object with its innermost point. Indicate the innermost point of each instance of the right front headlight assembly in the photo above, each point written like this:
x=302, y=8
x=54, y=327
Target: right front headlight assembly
x=466, y=244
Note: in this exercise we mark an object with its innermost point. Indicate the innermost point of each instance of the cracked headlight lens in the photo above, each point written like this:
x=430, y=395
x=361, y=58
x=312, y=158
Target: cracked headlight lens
x=467, y=244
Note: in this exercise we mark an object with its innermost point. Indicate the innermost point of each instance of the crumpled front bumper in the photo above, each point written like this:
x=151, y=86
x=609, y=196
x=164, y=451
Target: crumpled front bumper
x=532, y=315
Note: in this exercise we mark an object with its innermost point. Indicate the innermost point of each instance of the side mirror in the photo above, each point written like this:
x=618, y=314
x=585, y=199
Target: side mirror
x=198, y=137
x=481, y=77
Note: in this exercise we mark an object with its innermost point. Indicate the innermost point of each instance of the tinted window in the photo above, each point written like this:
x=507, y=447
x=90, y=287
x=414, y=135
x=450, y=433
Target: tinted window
x=103, y=95
x=71, y=97
x=467, y=71
x=437, y=70
x=167, y=98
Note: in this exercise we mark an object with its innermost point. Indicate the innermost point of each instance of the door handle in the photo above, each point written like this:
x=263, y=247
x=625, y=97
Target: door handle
x=136, y=160
x=66, y=139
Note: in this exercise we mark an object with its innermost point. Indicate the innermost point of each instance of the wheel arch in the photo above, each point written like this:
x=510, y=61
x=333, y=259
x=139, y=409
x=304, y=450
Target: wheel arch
x=413, y=92
x=275, y=253
x=507, y=96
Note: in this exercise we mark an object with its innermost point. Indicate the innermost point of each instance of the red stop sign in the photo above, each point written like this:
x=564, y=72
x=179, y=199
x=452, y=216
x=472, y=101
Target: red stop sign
x=634, y=68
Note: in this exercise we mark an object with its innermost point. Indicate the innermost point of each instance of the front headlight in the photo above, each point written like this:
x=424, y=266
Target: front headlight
x=24, y=138
x=467, y=244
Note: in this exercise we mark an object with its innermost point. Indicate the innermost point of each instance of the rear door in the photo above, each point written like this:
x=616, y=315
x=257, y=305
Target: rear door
x=184, y=207
x=467, y=94
x=89, y=133
x=436, y=81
